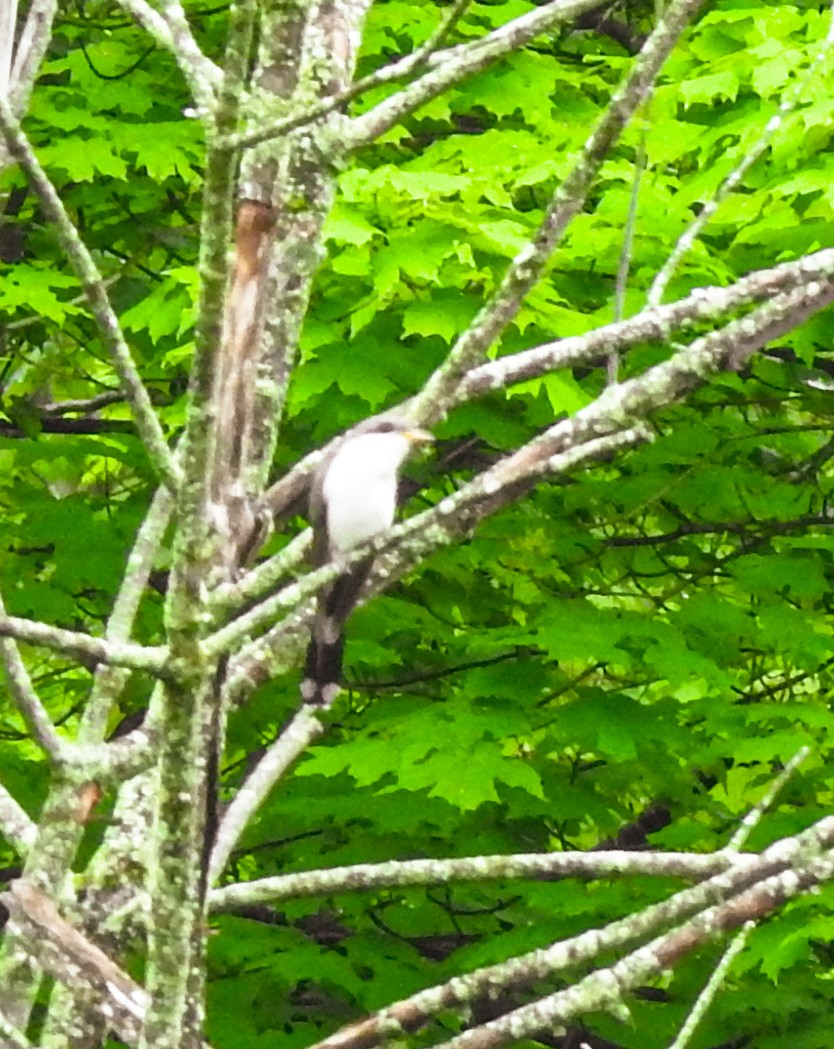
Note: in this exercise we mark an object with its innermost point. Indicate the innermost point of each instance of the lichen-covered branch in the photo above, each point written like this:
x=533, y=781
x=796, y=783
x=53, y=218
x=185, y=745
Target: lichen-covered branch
x=528, y=266
x=31, y=709
x=605, y=989
x=615, y=416
x=71, y=958
x=398, y=873
x=654, y=324
x=110, y=332
x=15, y=825
x=83, y=647
x=188, y=707
x=450, y=67
x=528, y=969
x=171, y=31
x=21, y=58
x=304, y=727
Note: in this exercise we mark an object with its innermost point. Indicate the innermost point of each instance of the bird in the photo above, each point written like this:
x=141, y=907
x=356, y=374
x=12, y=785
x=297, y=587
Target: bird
x=353, y=498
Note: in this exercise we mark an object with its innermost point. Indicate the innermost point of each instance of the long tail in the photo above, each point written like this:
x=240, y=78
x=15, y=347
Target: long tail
x=323, y=666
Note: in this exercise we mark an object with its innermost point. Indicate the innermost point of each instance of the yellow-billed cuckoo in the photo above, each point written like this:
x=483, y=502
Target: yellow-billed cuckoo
x=353, y=498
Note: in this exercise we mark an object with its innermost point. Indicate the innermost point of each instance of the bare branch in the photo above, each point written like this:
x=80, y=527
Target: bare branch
x=657, y=323
x=713, y=985
x=734, y=179
x=528, y=266
x=528, y=969
x=605, y=988
x=451, y=66
x=69, y=956
x=31, y=709
x=8, y=25
x=171, y=31
x=82, y=262
x=545, y=866
x=305, y=726
x=30, y=51
x=15, y=825
x=83, y=647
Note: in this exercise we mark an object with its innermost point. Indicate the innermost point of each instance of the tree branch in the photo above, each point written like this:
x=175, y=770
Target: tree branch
x=528, y=266
x=546, y=866
x=83, y=647
x=172, y=32
x=604, y=989
x=527, y=969
x=455, y=64
x=35, y=717
x=304, y=727
x=69, y=956
x=147, y=424
x=15, y=825
x=657, y=323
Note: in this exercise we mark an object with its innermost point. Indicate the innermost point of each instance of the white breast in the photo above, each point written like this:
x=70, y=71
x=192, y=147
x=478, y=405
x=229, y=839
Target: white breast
x=360, y=489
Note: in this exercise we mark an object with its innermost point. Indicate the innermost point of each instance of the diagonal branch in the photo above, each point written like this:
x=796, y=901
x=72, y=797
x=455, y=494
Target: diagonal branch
x=171, y=31
x=147, y=423
x=70, y=957
x=528, y=266
x=451, y=66
x=615, y=419
x=653, y=324
x=541, y=964
x=304, y=727
x=28, y=54
x=31, y=709
x=15, y=825
x=605, y=988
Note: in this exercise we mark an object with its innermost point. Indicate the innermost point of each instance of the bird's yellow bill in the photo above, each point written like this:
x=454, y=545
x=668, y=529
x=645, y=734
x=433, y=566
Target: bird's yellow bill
x=418, y=436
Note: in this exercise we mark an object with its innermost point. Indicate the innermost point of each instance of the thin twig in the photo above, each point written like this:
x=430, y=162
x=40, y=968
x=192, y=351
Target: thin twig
x=734, y=179
x=712, y=987
x=739, y=839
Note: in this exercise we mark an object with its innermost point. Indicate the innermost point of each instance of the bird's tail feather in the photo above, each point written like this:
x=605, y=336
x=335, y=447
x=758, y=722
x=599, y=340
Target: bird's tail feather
x=323, y=665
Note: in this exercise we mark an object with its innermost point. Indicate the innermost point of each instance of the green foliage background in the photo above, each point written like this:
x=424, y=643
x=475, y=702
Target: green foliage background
x=652, y=634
